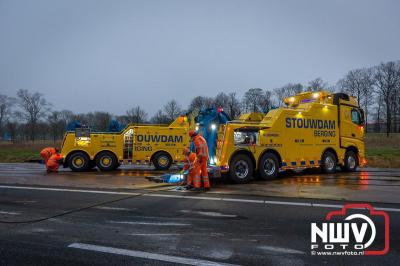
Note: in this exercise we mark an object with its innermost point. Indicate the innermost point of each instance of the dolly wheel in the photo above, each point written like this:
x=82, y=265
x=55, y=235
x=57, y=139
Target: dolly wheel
x=78, y=162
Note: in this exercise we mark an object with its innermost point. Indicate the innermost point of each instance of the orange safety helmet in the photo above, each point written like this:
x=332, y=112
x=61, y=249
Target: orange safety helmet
x=185, y=151
x=192, y=157
x=192, y=133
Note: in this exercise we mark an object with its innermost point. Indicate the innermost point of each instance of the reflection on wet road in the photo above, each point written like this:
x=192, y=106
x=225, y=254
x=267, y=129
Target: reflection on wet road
x=369, y=184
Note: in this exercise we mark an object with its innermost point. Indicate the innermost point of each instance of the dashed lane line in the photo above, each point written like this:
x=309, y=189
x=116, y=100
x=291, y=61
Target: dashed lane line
x=266, y=202
x=146, y=255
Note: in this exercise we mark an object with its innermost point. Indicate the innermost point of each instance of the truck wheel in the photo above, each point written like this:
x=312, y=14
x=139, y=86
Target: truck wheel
x=269, y=166
x=162, y=161
x=350, y=162
x=78, y=162
x=328, y=162
x=241, y=169
x=106, y=161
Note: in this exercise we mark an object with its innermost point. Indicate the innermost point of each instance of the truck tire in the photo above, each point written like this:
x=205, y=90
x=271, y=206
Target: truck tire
x=269, y=166
x=78, y=161
x=328, y=162
x=350, y=162
x=241, y=169
x=162, y=161
x=106, y=161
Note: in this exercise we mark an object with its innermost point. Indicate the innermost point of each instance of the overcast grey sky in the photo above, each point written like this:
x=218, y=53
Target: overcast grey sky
x=86, y=55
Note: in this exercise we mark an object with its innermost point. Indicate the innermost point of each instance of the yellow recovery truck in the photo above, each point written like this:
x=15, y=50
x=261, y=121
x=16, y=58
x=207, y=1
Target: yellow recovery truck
x=161, y=145
x=316, y=129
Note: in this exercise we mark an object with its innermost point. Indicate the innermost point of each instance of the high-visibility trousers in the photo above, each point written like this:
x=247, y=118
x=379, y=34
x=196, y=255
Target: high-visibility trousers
x=201, y=175
x=204, y=173
x=52, y=163
x=191, y=175
x=52, y=166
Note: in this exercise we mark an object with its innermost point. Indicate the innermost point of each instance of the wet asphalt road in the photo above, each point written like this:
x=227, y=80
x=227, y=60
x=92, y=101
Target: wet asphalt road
x=48, y=219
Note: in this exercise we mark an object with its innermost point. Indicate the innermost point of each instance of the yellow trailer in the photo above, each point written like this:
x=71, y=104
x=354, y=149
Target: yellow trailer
x=316, y=129
x=160, y=145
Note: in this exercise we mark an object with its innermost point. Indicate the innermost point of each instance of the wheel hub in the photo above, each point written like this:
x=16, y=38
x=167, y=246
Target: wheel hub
x=241, y=169
x=78, y=162
x=269, y=166
x=163, y=161
x=106, y=161
x=351, y=161
x=329, y=163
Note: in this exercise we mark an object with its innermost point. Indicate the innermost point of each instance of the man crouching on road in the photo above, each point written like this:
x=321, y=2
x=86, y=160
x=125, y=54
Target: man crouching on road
x=201, y=147
x=52, y=159
x=189, y=165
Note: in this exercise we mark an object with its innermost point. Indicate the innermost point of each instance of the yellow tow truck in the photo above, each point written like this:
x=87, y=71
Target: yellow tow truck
x=161, y=145
x=315, y=129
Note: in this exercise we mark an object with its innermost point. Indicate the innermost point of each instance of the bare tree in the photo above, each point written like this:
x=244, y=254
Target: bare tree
x=387, y=79
x=221, y=100
x=257, y=100
x=6, y=104
x=56, y=124
x=289, y=89
x=33, y=107
x=317, y=85
x=233, y=106
x=229, y=103
x=160, y=118
x=172, y=110
x=360, y=84
x=136, y=115
x=251, y=99
x=200, y=102
x=66, y=116
x=11, y=128
x=98, y=121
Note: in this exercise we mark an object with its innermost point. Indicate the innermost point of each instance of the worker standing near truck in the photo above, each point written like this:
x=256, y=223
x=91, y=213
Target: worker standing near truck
x=201, y=149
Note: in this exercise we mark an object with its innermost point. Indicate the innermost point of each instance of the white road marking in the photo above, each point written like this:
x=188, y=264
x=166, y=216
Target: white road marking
x=164, y=196
x=281, y=250
x=10, y=213
x=145, y=255
x=73, y=190
x=243, y=200
x=149, y=223
x=285, y=203
x=111, y=208
x=155, y=234
x=288, y=203
x=42, y=230
x=25, y=201
x=211, y=214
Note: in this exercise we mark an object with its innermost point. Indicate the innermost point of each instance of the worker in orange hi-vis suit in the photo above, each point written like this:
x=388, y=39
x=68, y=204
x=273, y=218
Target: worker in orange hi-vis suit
x=201, y=162
x=46, y=153
x=53, y=162
x=190, y=165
